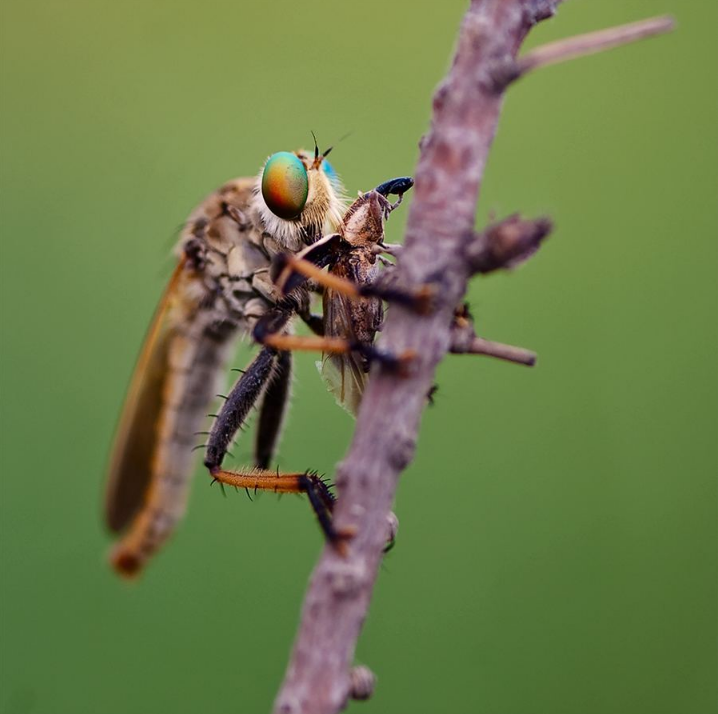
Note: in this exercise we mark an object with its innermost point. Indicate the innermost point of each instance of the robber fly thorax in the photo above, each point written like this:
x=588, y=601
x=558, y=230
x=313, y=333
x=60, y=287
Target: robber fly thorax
x=219, y=289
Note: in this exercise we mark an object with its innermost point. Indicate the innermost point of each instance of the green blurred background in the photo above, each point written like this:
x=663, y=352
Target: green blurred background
x=557, y=551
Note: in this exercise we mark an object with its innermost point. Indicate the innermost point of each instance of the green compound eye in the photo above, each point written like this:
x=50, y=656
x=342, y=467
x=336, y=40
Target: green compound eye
x=285, y=185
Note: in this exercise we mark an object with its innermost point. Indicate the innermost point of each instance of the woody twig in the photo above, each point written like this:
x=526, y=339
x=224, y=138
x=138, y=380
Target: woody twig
x=440, y=249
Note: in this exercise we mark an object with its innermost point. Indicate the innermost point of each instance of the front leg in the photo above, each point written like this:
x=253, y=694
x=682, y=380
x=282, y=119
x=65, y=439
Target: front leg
x=420, y=300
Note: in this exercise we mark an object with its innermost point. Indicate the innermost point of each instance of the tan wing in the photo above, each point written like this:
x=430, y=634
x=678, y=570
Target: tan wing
x=130, y=467
x=344, y=374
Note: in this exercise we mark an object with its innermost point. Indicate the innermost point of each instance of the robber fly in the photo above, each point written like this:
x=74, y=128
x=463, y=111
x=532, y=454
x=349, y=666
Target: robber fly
x=219, y=289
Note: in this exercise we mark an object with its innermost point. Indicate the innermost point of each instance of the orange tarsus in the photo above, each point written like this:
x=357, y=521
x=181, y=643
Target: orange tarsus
x=309, y=270
x=260, y=480
x=334, y=345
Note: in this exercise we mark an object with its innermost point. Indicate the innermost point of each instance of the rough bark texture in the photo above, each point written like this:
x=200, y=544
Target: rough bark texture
x=441, y=249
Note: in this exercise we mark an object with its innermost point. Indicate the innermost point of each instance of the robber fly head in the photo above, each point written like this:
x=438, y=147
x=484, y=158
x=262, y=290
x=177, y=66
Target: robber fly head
x=300, y=197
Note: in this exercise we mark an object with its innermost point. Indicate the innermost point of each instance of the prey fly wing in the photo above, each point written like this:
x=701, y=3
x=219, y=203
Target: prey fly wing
x=356, y=320
x=344, y=374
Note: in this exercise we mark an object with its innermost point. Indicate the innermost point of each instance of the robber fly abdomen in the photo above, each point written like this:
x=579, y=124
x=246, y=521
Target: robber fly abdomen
x=187, y=354
x=219, y=289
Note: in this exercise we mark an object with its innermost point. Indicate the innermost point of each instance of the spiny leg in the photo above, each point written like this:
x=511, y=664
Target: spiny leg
x=318, y=493
x=273, y=410
x=248, y=388
x=237, y=406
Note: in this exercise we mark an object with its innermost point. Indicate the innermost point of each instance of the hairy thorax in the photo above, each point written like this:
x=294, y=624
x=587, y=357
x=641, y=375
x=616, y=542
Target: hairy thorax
x=228, y=243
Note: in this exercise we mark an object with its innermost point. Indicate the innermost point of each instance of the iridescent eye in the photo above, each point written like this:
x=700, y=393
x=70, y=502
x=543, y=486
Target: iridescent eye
x=285, y=185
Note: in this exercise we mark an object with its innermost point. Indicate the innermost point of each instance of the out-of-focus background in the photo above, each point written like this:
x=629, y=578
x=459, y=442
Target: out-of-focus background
x=557, y=551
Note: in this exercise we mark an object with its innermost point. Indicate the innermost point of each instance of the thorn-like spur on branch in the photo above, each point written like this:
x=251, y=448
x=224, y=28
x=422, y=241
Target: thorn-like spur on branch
x=506, y=244
x=479, y=346
x=591, y=43
x=463, y=340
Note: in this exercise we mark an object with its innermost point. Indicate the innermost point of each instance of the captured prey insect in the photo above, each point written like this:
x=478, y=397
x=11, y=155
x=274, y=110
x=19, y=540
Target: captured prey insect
x=352, y=315
x=218, y=291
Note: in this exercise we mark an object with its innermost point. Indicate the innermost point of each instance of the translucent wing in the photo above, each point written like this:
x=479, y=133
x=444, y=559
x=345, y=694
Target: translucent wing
x=131, y=460
x=343, y=373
